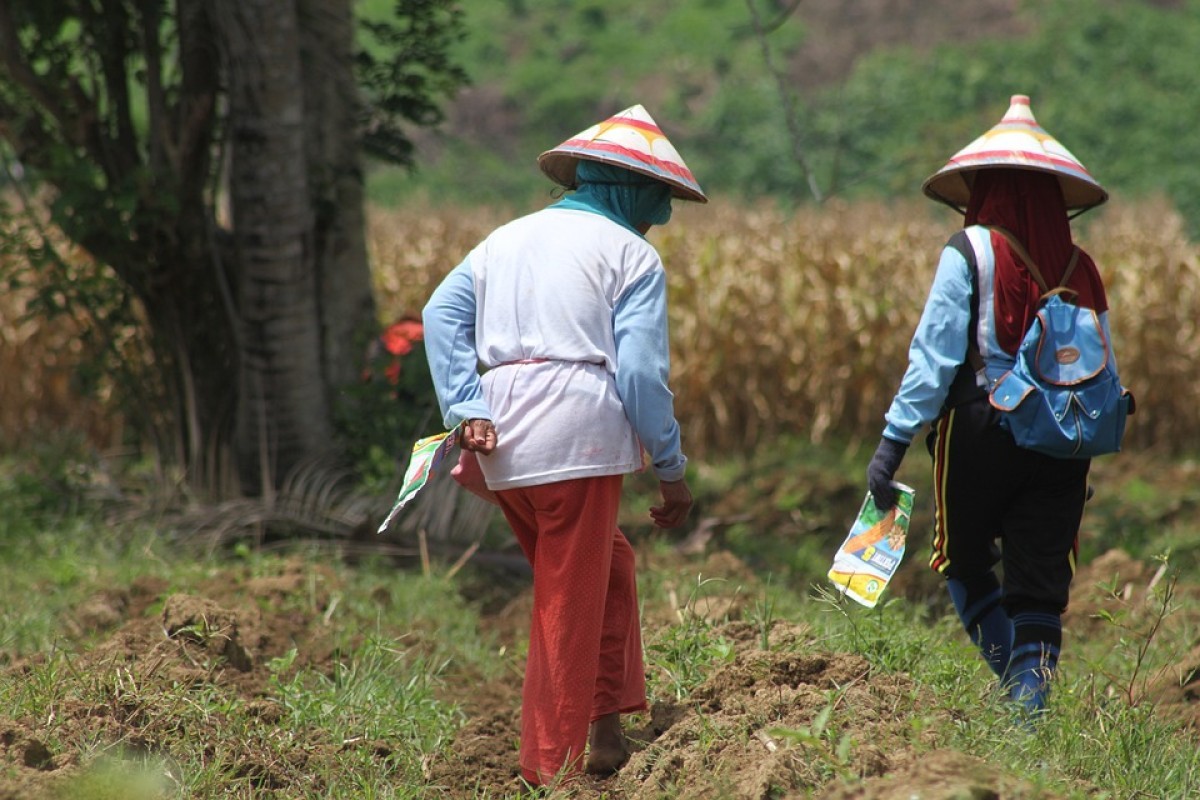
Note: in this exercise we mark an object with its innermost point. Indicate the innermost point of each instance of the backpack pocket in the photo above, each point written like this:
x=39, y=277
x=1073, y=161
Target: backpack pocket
x=1010, y=391
x=1100, y=411
x=1080, y=422
x=1070, y=347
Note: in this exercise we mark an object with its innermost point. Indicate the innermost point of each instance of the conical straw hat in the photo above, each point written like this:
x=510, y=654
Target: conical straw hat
x=1017, y=141
x=630, y=139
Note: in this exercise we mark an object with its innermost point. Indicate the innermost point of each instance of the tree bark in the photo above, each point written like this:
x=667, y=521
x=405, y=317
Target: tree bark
x=336, y=185
x=283, y=417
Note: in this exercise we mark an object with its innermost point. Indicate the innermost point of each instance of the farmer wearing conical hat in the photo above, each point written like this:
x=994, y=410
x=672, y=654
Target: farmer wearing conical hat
x=566, y=311
x=1014, y=181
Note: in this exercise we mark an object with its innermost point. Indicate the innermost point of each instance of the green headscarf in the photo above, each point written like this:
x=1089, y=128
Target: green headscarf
x=627, y=198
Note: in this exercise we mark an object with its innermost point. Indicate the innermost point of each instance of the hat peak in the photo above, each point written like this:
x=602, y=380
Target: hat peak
x=1019, y=109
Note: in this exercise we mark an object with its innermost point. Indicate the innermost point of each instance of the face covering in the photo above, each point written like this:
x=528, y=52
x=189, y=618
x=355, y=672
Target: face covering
x=1029, y=204
x=626, y=197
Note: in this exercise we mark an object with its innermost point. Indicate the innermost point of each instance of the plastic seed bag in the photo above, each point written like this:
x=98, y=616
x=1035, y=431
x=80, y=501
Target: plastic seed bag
x=873, y=549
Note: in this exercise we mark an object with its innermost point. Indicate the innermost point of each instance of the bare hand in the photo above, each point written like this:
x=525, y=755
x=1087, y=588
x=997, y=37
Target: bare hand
x=677, y=502
x=478, y=436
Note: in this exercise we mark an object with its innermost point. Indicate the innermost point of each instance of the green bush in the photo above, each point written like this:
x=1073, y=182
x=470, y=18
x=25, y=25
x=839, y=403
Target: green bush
x=394, y=405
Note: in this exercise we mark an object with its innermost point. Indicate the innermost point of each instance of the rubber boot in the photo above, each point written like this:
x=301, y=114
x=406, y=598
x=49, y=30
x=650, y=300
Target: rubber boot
x=977, y=601
x=1037, y=641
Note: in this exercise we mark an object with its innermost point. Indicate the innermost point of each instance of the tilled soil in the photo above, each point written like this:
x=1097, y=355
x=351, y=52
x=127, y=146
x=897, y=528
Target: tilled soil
x=755, y=728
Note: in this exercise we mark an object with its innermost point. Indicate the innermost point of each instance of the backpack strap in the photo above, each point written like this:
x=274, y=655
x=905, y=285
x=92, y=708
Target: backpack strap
x=964, y=389
x=1023, y=254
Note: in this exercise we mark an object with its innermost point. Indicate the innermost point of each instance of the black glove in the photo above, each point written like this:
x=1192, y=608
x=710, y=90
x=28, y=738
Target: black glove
x=882, y=469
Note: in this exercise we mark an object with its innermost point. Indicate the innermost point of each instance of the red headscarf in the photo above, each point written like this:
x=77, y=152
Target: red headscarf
x=1029, y=205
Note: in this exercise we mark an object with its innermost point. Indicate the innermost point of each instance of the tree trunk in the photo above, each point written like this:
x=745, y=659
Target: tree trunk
x=283, y=417
x=256, y=316
x=336, y=185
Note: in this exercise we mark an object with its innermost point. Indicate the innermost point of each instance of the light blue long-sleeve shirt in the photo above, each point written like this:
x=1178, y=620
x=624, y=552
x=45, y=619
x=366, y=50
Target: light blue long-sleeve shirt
x=449, y=319
x=938, y=348
x=939, y=345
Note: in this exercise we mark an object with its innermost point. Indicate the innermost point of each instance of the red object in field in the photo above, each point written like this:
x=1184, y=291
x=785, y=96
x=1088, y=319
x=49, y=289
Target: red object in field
x=397, y=341
x=398, y=337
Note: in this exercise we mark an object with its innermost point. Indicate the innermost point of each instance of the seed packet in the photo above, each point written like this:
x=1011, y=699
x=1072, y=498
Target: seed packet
x=427, y=454
x=873, y=549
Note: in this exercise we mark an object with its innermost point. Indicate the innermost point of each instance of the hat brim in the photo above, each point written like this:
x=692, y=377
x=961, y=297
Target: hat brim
x=559, y=166
x=953, y=186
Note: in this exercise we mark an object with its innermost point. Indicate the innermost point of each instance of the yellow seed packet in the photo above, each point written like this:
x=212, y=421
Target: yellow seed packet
x=873, y=549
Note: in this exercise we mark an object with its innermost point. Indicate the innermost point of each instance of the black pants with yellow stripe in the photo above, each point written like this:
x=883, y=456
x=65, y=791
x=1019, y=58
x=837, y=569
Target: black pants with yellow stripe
x=996, y=503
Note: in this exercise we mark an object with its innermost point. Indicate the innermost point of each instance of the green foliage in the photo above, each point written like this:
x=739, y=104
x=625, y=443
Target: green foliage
x=81, y=299
x=380, y=708
x=122, y=776
x=683, y=655
x=1141, y=656
x=381, y=693
x=558, y=67
x=47, y=484
x=1106, y=78
x=875, y=634
x=367, y=721
x=72, y=53
x=1144, y=515
x=380, y=418
x=1104, y=728
x=56, y=495
x=116, y=118
x=821, y=739
x=404, y=68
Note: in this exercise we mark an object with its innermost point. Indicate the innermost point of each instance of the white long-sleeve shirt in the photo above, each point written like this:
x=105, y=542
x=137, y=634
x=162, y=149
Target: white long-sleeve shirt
x=566, y=312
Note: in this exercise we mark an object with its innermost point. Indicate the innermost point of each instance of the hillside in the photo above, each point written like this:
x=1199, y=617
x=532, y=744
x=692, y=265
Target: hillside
x=515, y=52
x=853, y=98
x=832, y=36
x=837, y=33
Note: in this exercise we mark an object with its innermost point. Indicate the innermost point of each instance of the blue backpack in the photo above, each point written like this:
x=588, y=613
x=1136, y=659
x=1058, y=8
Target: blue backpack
x=1063, y=396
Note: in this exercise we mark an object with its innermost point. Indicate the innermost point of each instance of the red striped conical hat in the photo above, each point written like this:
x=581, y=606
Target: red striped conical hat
x=630, y=139
x=1017, y=141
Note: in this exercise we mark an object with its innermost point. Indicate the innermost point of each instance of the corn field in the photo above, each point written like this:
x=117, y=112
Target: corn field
x=793, y=323
x=45, y=364
x=799, y=322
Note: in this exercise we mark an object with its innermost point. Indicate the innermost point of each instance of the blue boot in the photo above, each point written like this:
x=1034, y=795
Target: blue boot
x=1037, y=640
x=977, y=601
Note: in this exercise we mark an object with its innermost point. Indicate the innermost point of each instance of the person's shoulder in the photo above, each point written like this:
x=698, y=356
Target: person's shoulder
x=519, y=228
x=960, y=240
x=580, y=226
x=523, y=221
x=554, y=219
x=971, y=243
